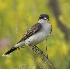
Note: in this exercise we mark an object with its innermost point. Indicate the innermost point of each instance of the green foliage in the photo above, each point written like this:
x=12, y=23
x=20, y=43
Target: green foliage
x=15, y=17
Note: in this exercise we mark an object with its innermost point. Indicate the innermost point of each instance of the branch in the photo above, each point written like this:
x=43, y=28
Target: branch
x=45, y=58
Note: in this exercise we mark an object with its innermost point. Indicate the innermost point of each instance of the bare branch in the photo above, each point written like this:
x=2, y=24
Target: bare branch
x=45, y=58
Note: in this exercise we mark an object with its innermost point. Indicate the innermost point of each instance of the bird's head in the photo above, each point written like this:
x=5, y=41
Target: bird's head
x=44, y=17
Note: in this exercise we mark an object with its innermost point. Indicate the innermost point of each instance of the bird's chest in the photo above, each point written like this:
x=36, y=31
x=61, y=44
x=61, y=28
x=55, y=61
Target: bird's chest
x=35, y=39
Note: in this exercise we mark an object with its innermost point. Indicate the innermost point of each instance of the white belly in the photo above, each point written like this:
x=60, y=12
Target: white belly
x=39, y=36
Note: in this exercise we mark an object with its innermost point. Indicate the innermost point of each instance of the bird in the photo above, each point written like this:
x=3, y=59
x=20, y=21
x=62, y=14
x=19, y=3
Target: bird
x=35, y=34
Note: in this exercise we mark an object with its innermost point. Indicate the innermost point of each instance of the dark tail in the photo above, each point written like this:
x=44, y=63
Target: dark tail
x=11, y=50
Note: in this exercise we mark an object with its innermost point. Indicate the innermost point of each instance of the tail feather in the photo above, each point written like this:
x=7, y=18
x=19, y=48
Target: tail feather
x=14, y=48
x=11, y=50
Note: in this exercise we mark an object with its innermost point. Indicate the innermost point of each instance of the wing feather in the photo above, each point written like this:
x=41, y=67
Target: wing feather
x=35, y=28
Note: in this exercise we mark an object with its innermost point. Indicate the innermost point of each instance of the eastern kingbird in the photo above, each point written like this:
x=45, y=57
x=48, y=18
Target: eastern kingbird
x=36, y=34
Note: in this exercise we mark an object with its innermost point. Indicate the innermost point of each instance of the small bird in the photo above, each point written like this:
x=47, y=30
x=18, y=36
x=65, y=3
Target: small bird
x=36, y=34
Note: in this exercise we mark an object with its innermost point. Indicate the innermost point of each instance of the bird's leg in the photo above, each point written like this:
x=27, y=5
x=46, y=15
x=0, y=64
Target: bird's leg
x=19, y=47
x=22, y=47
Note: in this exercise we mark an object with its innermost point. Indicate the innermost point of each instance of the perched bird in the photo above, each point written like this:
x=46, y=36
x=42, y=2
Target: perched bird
x=36, y=34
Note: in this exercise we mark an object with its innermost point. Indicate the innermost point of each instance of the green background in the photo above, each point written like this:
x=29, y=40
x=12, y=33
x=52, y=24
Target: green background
x=16, y=16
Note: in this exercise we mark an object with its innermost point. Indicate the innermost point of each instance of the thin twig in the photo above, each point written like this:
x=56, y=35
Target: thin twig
x=43, y=56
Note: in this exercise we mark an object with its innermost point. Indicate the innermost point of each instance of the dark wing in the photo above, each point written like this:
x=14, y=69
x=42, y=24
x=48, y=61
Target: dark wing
x=35, y=28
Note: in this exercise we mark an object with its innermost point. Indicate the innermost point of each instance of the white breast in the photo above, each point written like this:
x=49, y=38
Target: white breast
x=39, y=36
